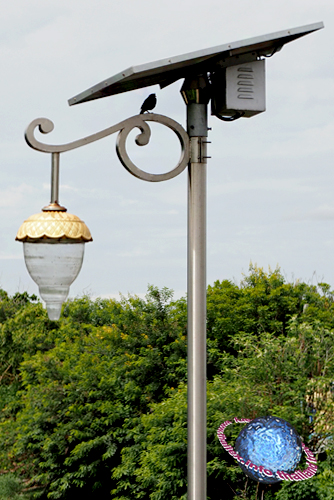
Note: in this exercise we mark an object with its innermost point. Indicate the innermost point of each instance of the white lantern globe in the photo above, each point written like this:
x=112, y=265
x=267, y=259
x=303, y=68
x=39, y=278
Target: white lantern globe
x=53, y=246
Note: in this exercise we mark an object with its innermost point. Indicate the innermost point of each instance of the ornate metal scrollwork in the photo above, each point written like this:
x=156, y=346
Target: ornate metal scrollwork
x=124, y=128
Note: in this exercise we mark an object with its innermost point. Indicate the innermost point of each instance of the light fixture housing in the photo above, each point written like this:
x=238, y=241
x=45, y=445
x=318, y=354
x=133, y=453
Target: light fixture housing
x=239, y=89
x=53, y=246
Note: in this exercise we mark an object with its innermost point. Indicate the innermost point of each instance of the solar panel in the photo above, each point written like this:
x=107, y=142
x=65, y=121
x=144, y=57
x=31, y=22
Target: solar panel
x=167, y=71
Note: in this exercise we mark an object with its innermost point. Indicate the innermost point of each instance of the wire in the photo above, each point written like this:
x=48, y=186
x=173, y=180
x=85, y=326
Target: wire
x=276, y=49
x=237, y=115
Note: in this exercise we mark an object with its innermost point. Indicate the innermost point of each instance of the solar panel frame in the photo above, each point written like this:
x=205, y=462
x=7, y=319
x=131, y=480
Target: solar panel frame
x=166, y=71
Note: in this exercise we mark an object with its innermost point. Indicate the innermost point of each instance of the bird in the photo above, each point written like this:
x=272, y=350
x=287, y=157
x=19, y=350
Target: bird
x=149, y=103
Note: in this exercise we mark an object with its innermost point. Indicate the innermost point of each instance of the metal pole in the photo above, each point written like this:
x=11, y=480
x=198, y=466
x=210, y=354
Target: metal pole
x=197, y=130
x=55, y=178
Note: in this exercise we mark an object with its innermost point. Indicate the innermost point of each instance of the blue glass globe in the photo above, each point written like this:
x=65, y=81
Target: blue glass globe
x=271, y=442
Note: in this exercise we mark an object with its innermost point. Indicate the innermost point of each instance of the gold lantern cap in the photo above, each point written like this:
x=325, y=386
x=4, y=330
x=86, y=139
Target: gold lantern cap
x=54, y=225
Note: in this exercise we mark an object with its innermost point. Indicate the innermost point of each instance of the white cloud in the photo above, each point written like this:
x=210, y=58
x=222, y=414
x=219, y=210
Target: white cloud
x=13, y=196
x=274, y=184
x=10, y=257
x=320, y=213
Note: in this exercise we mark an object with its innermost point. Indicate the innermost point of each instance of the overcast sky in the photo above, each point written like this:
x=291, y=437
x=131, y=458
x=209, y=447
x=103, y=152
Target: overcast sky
x=270, y=179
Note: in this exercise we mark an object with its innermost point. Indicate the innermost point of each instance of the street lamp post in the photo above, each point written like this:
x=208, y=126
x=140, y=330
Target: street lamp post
x=232, y=76
x=196, y=95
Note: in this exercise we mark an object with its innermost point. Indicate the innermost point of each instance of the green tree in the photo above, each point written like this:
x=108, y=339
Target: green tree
x=262, y=303
x=11, y=488
x=79, y=398
x=271, y=376
x=97, y=401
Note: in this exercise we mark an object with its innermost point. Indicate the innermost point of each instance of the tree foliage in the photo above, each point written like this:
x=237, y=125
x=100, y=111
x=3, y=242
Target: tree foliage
x=97, y=401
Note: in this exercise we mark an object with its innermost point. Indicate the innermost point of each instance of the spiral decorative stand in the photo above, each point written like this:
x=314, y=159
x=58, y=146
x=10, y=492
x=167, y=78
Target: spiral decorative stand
x=46, y=126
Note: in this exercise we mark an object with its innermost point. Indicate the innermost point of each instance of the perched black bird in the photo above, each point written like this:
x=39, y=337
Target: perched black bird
x=149, y=103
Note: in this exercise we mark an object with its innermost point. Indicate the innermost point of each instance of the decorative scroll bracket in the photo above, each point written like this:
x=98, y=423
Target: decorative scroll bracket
x=124, y=128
